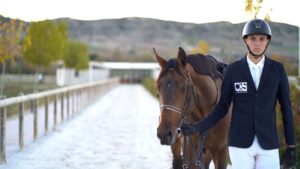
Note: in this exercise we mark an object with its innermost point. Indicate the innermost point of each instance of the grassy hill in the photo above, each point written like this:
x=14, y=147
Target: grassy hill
x=133, y=38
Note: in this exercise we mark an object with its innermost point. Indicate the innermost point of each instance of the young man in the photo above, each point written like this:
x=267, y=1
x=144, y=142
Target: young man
x=254, y=84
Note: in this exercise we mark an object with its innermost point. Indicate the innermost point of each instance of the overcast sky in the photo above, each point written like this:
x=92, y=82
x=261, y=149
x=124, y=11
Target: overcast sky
x=194, y=11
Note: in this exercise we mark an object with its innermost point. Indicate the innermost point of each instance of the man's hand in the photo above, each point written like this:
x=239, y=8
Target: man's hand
x=188, y=129
x=289, y=158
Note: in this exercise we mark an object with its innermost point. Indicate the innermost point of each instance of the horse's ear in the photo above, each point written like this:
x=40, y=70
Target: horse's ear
x=181, y=56
x=159, y=59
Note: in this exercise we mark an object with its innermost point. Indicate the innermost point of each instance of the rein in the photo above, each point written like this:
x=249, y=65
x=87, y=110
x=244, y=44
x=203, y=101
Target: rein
x=186, y=139
x=184, y=118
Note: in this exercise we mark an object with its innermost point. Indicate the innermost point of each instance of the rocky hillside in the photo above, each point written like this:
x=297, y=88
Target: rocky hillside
x=129, y=38
x=132, y=39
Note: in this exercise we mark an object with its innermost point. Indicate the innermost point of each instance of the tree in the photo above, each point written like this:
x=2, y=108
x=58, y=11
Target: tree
x=290, y=66
x=10, y=35
x=203, y=47
x=76, y=56
x=254, y=8
x=45, y=42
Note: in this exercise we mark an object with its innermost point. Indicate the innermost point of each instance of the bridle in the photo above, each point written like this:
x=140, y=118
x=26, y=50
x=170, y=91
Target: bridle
x=184, y=118
x=183, y=111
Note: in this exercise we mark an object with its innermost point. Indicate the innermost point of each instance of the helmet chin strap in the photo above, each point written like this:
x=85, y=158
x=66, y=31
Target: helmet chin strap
x=256, y=56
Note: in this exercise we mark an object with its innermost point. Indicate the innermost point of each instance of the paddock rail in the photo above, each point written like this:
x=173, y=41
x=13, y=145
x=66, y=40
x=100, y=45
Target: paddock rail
x=75, y=98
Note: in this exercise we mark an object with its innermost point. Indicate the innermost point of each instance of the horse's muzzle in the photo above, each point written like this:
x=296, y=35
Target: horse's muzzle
x=167, y=137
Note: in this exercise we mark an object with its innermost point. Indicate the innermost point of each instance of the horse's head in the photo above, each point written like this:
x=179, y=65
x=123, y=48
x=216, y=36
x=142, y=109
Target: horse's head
x=188, y=88
x=172, y=87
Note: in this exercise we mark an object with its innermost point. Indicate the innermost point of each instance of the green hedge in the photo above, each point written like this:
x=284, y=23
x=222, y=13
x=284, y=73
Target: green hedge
x=295, y=99
x=149, y=84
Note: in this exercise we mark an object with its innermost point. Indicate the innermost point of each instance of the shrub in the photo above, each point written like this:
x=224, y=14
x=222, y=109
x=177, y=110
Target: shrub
x=149, y=84
x=295, y=99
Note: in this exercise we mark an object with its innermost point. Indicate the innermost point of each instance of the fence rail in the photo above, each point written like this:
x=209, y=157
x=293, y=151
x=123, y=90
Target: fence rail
x=80, y=96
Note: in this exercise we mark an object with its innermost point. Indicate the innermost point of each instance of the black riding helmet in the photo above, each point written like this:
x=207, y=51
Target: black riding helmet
x=257, y=26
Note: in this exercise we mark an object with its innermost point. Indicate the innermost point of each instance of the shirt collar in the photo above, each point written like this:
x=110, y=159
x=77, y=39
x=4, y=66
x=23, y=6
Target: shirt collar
x=260, y=64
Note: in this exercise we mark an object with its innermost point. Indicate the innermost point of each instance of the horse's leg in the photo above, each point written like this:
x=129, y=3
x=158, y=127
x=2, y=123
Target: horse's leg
x=176, y=151
x=206, y=158
x=221, y=158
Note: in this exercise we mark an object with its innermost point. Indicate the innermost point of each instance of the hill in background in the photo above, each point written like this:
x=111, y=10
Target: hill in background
x=134, y=38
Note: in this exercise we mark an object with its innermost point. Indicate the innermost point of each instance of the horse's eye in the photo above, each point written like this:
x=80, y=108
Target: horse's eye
x=169, y=85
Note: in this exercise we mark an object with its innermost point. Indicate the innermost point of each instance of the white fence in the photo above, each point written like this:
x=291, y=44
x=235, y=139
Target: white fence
x=80, y=96
x=28, y=78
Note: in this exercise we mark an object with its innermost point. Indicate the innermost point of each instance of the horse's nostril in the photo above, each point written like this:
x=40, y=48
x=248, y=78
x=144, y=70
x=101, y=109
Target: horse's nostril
x=158, y=135
x=170, y=134
x=161, y=135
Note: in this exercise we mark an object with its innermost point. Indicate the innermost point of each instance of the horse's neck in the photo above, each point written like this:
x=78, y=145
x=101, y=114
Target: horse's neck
x=207, y=93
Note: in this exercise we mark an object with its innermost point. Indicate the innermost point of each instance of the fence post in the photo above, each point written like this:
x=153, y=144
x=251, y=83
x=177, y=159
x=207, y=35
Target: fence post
x=76, y=101
x=21, y=125
x=84, y=98
x=46, y=114
x=73, y=102
x=80, y=100
x=68, y=105
x=88, y=96
x=55, y=112
x=62, y=107
x=35, y=120
x=2, y=135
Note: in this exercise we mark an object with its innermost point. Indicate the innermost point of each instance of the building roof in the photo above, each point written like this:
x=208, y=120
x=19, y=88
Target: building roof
x=125, y=65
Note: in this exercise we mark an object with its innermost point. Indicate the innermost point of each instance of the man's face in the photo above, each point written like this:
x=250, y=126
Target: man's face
x=257, y=43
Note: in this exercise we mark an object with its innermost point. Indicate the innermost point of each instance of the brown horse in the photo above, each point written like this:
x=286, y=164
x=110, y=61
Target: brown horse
x=188, y=92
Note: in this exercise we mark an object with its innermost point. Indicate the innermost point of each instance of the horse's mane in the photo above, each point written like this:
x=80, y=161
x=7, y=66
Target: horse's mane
x=207, y=65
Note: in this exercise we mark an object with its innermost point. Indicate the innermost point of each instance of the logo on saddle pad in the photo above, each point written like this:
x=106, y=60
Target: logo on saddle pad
x=240, y=87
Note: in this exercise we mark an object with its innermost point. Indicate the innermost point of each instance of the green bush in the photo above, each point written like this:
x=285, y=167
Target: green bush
x=295, y=99
x=149, y=84
x=295, y=96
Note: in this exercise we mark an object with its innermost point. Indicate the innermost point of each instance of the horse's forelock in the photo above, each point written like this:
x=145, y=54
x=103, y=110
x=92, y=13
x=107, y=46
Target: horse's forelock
x=172, y=64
